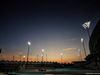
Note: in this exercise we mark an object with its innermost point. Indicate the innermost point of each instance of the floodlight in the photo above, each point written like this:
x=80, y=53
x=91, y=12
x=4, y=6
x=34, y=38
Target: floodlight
x=23, y=56
x=61, y=54
x=82, y=39
x=86, y=25
x=42, y=50
x=29, y=43
x=78, y=49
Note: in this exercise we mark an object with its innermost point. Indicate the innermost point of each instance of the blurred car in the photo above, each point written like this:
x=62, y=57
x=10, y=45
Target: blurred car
x=41, y=69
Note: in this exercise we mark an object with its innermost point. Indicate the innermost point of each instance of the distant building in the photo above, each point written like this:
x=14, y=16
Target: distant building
x=93, y=59
x=79, y=64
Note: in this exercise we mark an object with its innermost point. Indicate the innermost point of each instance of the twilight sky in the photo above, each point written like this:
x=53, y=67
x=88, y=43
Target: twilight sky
x=55, y=26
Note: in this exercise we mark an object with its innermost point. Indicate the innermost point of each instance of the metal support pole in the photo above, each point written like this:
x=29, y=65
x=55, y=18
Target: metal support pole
x=80, y=55
x=46, y=57
x=28, y=54
x=61, y=58
x=42, y=58
x=90, y=38
x=84, y=48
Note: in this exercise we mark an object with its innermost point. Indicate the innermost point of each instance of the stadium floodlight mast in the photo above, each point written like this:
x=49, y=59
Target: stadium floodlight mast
x=46, y=57
x=61, y=58
x=42, y=54
x=80, y=54
x=42, y=57
x=24, y=58
x=42, y=50
x=29, y=43
x=86, y=25
x=82, y=41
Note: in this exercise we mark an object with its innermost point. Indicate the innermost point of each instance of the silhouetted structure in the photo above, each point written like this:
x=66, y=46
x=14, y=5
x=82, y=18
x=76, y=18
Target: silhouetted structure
x=79, y=64
x=94, y=56
x=0, y=50
x=14, y=66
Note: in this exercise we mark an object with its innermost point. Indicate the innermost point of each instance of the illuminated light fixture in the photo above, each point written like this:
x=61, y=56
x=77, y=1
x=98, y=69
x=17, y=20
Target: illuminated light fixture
x=82, y=41
x=42, y=50
x=61, y=58
x=86, y=24
x=29, y=43
x=42, y=54
x=78, y=49
x=23, y=56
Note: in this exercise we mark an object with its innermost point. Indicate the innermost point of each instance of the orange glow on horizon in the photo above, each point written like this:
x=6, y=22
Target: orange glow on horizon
x=33, y=58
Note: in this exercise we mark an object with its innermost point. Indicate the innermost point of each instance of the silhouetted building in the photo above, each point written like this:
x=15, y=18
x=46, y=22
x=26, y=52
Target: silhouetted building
x=79, y=64
x=94, y=46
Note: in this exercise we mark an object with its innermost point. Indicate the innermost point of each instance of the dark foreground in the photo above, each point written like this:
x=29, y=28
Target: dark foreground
x=32, y=72
x=63, y=72
x=33, y=69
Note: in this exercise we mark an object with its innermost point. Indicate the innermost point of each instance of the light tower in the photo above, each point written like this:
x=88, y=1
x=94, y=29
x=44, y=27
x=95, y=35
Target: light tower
x=61, y=58
x=28, y=51
x=46, y=57
x=82, y=41
x=80, y=54
x=23, y=58
x=42, y=54
x=86, y=25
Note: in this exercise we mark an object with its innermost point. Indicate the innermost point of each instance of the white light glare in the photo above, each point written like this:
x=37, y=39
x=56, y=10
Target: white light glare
x=86, y=25
x=61, y=54
x=42, y=50
x=78, y=49
x=82, y=39
x=23, y=56
x=29, y=43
